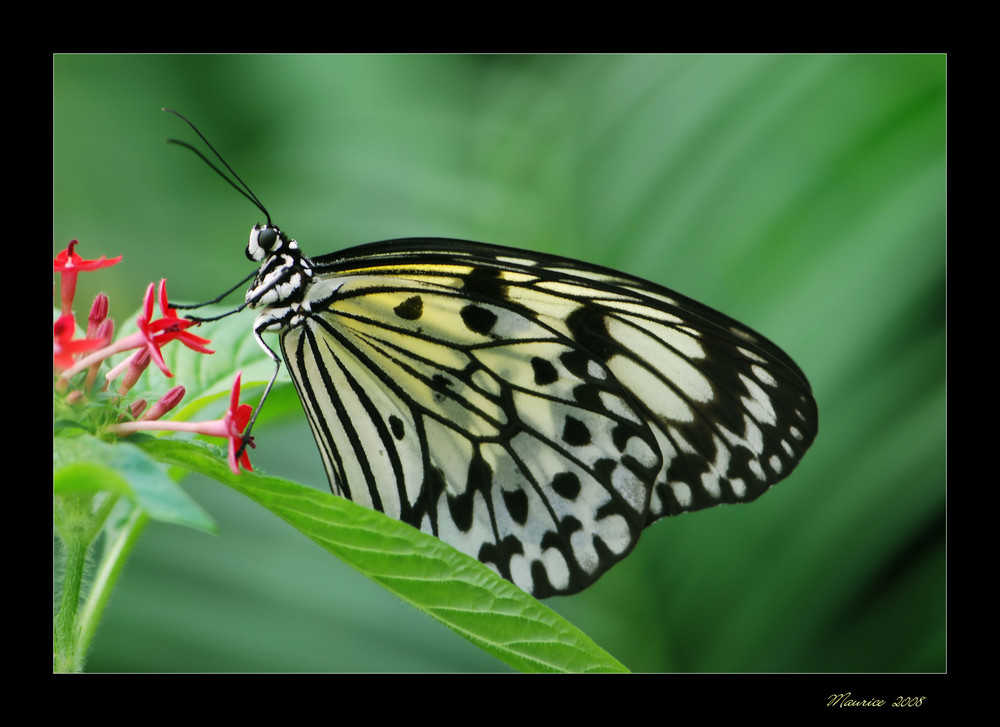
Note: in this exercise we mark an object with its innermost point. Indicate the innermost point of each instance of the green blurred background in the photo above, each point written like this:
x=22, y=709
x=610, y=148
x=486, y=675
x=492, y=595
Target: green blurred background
x=802, y=195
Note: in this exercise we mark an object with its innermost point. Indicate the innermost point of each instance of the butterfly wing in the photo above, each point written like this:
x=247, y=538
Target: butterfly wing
x=533, y=411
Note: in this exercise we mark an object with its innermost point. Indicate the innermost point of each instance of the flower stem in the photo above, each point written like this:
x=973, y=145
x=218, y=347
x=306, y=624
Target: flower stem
x=65, y=627
x=78, y=524
x=115, y=555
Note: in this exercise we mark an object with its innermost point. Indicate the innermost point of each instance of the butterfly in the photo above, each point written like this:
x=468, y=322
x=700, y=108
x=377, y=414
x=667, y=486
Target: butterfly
x=533, y=411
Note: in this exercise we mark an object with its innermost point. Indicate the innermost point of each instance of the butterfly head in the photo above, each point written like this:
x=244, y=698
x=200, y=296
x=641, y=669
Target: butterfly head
x=267, y=240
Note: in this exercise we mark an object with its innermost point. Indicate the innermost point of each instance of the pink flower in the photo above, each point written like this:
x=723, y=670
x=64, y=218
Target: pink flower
x=171, y=327
x=70, y=264
x=163, y=330
x=234, y=422
x=98, y=314
x=167, y=402
x=135, y=367
x=230, y=427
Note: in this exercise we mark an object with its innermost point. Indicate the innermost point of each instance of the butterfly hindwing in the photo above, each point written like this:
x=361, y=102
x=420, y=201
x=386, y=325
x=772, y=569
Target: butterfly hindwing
x=731, y=412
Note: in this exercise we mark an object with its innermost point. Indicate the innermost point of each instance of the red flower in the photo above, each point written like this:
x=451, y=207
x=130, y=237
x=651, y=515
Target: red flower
x=64, y=348
x=230, y=427
x=171, y=327
x=70, y=264
x=234, y=422
x=152, y=336
x=158, y=333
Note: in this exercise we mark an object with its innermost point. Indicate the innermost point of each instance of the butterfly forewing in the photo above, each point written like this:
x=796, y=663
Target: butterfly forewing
x=532, y=411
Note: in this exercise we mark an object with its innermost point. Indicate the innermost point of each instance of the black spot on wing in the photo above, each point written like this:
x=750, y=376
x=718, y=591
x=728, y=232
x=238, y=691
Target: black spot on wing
x=410, y=309
x=575, y=432
x=396, y=425
x=485, y=282
x=516, y=502
x=620, y=436
x=588, y=396
x=545, y=372
x=566, y=485
x=577, y=363
x=440, y=385
x=604, y=468
x=460, y=509
x=478, y=320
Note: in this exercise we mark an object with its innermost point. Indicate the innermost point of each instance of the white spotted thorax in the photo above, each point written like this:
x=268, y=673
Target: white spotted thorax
x=535, y=412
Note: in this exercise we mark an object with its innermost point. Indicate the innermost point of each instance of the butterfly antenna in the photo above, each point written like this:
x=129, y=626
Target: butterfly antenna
x=245, y=191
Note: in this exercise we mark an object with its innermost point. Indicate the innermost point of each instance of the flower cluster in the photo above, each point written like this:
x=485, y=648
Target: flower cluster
x=73, y=356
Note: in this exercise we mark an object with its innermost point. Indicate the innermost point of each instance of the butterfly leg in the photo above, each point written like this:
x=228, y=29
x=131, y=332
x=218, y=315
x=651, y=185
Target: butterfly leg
x=260, y=326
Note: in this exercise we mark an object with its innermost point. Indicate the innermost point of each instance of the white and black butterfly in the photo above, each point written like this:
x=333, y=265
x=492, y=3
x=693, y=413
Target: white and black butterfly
x=533, y=411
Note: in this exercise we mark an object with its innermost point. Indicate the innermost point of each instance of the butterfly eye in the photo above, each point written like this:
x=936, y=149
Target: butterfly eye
x=263, y=241
x=267, y=238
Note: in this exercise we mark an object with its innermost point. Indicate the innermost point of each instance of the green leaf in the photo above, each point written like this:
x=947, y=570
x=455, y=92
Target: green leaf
x=453, y=588
x=85, y=463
